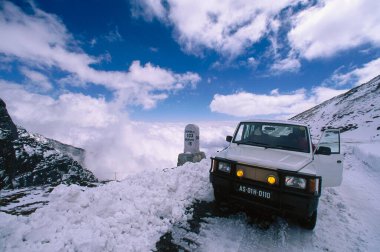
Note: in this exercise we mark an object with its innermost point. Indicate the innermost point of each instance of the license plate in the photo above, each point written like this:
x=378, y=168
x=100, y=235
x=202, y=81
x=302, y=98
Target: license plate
x=254, y=191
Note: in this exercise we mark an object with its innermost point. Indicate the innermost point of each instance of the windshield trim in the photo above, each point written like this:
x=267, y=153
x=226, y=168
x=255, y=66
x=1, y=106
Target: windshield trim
x=277, y=146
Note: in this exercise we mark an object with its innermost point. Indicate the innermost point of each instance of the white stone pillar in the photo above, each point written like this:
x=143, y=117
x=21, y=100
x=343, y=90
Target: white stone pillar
x=191, y=146
x=191, y=137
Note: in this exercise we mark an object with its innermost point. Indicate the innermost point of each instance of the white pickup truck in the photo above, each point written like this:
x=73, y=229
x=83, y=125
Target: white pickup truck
x=273, y=165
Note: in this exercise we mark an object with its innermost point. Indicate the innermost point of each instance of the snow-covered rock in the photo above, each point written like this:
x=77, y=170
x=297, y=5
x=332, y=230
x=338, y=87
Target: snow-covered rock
x=356, y=113
x=31, y=160
x=39, y=163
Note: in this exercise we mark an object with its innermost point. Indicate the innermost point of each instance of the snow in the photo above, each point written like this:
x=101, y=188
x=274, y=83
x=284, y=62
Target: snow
x=348, y=220
x=49, y=153
x=25, y=199
x=357, y=112
x=133, y=214
x=30, y=150
x=369, y=152
x=130, y=215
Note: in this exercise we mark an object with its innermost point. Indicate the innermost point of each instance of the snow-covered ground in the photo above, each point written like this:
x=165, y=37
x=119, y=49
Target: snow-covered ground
x=133, y=214
x=120, y=216
x=24, y=201
x=348, y=220
x=369, y=153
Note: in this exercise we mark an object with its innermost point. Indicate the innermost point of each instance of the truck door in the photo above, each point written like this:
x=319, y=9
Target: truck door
x=329, y=165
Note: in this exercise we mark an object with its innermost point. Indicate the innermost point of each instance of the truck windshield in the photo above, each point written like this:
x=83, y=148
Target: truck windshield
x=273, y=135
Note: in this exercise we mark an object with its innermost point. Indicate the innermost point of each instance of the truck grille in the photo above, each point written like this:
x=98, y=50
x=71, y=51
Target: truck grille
x=257, y=173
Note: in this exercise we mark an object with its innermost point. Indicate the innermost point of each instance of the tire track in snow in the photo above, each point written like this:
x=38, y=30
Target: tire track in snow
x=348, y=216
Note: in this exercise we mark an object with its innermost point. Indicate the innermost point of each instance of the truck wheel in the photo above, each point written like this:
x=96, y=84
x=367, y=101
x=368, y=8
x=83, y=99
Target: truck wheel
x=309, y=222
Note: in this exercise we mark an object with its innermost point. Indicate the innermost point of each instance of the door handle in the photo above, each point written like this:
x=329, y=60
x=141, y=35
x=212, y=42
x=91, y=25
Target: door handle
x=339, y=161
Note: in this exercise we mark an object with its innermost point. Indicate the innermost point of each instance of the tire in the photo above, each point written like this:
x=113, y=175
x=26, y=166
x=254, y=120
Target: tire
x=309, y=222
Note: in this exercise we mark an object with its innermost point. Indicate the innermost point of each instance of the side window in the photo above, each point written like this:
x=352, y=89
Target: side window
x=249, y=128
x=239, y=133
x=331, y=139
x=244, y=132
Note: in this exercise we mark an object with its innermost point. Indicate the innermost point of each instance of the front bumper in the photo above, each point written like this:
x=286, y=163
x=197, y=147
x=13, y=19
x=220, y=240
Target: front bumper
x=257, y=195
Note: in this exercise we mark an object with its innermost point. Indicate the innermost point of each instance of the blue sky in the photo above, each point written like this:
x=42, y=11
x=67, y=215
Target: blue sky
x=122, y=78
x=190, y=60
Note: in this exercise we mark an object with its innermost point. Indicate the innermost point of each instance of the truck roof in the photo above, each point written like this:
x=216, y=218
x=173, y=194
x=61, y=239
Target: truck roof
x=277, y=121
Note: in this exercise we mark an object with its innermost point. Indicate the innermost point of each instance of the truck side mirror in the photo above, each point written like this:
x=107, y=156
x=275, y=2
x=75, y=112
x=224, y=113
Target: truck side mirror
x=229, y=139
x=322, y=150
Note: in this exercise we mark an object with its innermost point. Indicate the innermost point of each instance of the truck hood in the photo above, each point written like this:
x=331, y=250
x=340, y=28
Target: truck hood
x=266, y=157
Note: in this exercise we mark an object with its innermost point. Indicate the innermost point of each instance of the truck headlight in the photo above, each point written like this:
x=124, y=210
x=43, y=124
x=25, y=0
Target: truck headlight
x=224, y=167
x=295, y=182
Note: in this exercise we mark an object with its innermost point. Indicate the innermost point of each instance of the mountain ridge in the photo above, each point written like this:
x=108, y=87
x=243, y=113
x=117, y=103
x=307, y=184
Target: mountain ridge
x=356, y=112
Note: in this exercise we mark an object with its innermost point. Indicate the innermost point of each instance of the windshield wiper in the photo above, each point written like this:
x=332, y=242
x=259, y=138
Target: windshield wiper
x=287, y=147
x=253, y=143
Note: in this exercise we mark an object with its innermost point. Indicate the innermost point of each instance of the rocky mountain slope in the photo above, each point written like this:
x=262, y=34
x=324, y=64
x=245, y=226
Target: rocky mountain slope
x=78, y=154
x=356, y=113
x=31, y=160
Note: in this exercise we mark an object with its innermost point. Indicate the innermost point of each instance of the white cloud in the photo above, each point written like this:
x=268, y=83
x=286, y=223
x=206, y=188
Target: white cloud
x=358, y=75
x=148, y=9
x=114, y=35
x=275, y=92
x=113, y=142
x=5, y=64
x=37, y=79
x=77, y=109
x=153, y=49
x=321, y=94
x=245, y=104
x=93, y=42
x=335, y=25
x=252, y=62
x=49, y=44
x=290, y=64
x=228, y=27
